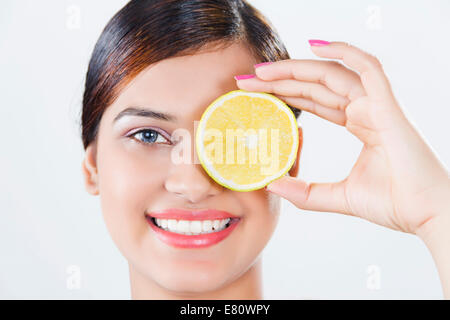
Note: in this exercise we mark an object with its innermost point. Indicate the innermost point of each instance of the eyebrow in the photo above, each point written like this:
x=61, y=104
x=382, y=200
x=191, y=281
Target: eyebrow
x=144, y=112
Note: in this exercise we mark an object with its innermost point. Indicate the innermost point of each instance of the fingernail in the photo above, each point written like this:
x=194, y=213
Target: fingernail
x=244, y=76
x=262, y=64
x=318, y=43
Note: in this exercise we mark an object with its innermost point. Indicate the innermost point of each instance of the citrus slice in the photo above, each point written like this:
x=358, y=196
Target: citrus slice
x=245, y=140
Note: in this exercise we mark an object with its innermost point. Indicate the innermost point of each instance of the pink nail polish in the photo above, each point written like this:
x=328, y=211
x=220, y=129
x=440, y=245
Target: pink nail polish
x=262, y=64
x=318, y=43
x=244, y=76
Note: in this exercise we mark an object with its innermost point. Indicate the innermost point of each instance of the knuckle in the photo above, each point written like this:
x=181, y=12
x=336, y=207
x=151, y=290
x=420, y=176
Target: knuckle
x=349, y=111
x=356, y=91
x=342, y=104
x=345, y=44
x=271, y=87
x=313, y=106
x=336, y=64
x=305, y=91
x=323, y=79
x=290, y=62
x=373, y=61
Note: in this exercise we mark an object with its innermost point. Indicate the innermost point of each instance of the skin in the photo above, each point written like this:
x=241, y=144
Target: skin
x=133, y=177
x=398, y=181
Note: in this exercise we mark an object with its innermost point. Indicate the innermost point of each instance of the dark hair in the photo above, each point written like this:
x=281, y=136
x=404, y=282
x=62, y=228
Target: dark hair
x=144, y=32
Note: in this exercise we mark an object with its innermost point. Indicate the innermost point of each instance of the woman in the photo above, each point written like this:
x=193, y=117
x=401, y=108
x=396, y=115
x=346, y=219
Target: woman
x=156, y=67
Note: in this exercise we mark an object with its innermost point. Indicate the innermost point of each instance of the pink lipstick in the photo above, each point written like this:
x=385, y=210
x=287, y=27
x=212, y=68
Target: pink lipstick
x=192, y=229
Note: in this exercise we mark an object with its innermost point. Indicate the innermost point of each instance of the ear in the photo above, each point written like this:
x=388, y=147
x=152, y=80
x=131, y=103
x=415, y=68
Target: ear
x=294, y=169
x=89, y=168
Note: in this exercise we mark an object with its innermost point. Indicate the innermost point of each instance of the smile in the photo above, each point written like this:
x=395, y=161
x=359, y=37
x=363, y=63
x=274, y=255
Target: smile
x=192, y=229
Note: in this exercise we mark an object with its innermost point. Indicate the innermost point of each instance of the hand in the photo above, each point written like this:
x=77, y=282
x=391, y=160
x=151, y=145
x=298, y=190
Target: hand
x=397, y=181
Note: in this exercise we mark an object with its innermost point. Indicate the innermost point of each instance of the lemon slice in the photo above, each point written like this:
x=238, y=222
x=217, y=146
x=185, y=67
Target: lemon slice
x=245, y=140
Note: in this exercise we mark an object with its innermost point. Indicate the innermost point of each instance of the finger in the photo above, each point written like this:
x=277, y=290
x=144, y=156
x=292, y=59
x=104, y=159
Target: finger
x=361, y=122
x=331, y=74
x=333, y=115
x=294, y=88
x=328, y=197
x=371, y=71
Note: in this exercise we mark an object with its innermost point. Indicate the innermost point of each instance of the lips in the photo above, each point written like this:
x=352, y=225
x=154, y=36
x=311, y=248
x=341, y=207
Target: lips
x=183, y=228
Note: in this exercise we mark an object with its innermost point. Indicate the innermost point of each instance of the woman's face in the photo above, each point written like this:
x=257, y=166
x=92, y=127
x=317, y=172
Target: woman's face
x=136, y=177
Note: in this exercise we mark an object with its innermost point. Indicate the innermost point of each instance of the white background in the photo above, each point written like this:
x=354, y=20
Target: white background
x=48, y=222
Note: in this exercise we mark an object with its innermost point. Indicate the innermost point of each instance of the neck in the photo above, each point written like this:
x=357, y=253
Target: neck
x=247, y=287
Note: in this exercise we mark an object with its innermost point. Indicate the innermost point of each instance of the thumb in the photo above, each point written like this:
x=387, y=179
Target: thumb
x=328, y=197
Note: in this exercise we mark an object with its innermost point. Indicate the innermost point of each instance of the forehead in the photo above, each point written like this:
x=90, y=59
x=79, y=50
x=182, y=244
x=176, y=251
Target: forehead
x=186, y=84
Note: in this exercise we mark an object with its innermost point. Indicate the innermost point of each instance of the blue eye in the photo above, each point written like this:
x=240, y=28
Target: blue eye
x=150, y=136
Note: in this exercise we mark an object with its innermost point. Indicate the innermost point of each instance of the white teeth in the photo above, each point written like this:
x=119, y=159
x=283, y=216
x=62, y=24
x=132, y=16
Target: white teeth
x=183, y=226
x=223, y=223
x=172, y=224
x=196, y=226
x=192, y=227
x=206, y=226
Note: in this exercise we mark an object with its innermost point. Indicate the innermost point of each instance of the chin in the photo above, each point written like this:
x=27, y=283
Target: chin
x=188, y=281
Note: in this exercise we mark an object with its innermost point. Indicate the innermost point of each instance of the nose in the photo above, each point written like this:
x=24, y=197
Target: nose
x=191, y=182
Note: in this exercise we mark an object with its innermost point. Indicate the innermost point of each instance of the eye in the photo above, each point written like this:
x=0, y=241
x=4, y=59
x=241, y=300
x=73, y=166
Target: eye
x=150, y=136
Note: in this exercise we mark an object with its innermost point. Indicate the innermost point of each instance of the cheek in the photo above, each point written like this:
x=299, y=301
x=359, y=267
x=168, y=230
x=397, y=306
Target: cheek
x=264, y=209
x=129, y=178
x=269, y=212
x=261, y=218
